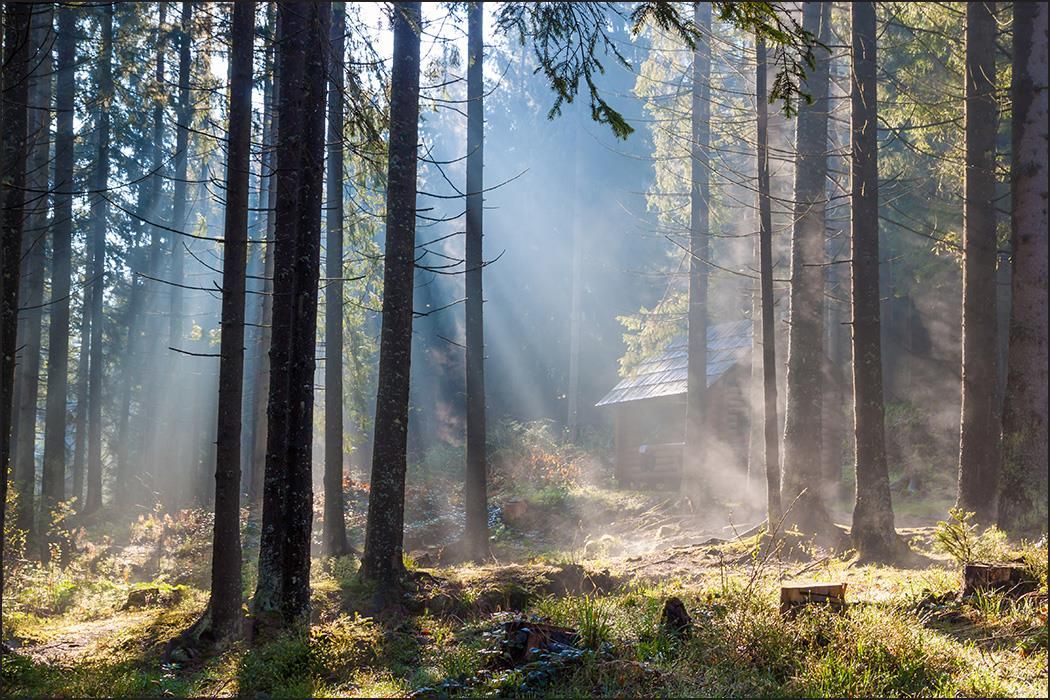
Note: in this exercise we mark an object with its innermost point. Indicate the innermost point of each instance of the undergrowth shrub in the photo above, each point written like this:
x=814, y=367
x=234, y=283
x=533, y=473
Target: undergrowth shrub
x=964, y=541
x=14, y=552
x=281, y=668
x=533, y=452
x=300, y=664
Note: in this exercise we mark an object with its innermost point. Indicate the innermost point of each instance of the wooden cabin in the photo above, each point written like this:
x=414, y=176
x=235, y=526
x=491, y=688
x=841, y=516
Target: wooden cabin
x=649, y=408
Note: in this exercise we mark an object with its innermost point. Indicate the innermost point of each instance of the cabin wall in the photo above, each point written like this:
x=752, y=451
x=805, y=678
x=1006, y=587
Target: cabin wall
x=659, y=425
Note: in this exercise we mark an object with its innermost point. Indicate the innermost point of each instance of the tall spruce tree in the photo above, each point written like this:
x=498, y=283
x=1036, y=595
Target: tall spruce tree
x=1023, y=500
x=334, y=535
x=14, y=96
x=282, y=594
x=694, y=464
x=477, y=527
x=53, y=478
x=225, y=604
x=980, y=426
x=384, y=532
x=802, y=443
x=873, y=532
x=97, y=268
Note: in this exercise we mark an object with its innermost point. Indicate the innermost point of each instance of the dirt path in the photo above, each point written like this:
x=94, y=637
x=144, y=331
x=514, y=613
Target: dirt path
x=71, y=644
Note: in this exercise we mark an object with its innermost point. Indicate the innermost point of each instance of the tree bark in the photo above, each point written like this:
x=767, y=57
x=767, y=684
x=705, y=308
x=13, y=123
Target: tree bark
x=770, y=424
x=53, y=482
x=179, y=200
x=171, y=454
x=384, y=532
x=334, y=535
x=225, y=605
x=476, y=492
x=255, y=289
x=576, y=283
x=980, y=427
x=99, y=221
x=149, y=419
x=34, y=260
x=802, y=430
x=873, y=531
x=80, y=436
x=14, y=95
x=262, y=388
x=133, y=361
x=694, y=466
x=304, y=329
x=1023, y=500
x=283, y=591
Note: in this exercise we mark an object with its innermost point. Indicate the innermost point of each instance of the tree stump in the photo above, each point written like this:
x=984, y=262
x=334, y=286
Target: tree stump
x=1010, y=579
x=675, y=619
x=514, y=510
x=796, y=595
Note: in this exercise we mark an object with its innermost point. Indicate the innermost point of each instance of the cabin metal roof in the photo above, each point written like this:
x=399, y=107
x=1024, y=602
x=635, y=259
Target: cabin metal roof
x=666, y=374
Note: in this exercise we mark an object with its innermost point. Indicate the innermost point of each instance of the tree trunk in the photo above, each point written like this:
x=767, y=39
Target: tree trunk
x=476, y=492
x=1022, y=506
x=572, y=389
x=873, y=532
x=980, y=428
x=14, y=95
x=283, y=590
x=384, y=532
x=770, y=424
x=53, y=483
x=833, y=367
x=172, y=451
x=99, y=221
x=225, y=605
x=151, y=380
x=755, y=386
x=255, y=289
x=802, y=430
x=262, y=388
x=80, y=437
x=334, y=535
x=34, y=260
x=299, y=515
x=694, y=465
x=179, y=201
x=122, y=482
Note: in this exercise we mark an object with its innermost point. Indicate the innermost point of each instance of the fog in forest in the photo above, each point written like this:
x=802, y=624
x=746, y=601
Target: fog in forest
x=469, y=309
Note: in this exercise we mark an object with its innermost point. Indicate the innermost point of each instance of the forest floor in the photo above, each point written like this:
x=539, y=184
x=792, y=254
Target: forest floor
x=593, y=563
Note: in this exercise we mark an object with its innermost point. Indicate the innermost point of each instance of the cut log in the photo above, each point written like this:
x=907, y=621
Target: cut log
x=1010, y=579
x=524, y=638
x=795, y=595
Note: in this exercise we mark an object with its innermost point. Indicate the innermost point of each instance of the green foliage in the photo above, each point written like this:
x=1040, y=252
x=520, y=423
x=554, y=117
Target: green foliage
x=344, y=644
x=301, y=665
x=566, y=36
x=965, y=542
x=957, y=536
x=593, y=621
x=872, y=654
x=281, y=668
x=533, y=455
x=14, y=539
x=648, y=332
x=22, y=677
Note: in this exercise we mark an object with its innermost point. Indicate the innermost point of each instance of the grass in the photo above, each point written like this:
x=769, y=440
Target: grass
x=905, y=633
